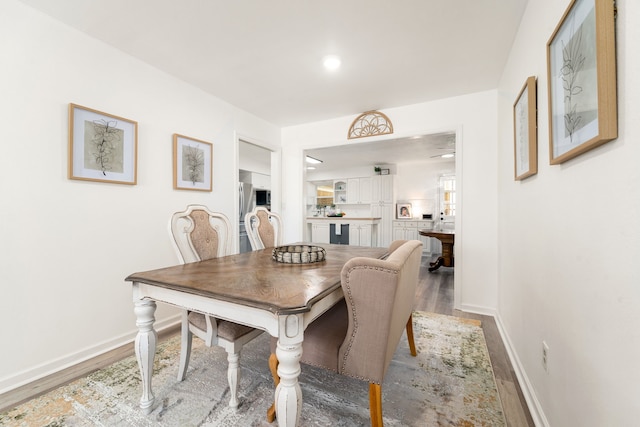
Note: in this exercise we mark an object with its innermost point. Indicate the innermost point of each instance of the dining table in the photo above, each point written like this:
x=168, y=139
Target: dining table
x=254, y=289
x=447, y=238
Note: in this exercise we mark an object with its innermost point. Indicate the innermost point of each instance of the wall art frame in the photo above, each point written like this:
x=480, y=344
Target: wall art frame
x=581, y=70
x=370, y=123
x=192, y=164
x=403, y=211
x=102, y=147
x=525, y=132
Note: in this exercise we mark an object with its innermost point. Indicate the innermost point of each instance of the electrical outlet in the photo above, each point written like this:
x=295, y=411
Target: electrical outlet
x=545, y=356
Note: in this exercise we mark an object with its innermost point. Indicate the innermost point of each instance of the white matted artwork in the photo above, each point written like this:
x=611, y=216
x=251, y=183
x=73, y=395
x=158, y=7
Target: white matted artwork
x=192, y=164
x=102, y=147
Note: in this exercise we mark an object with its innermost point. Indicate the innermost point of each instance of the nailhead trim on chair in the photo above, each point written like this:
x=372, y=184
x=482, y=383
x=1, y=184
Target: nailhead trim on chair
x=355, y=317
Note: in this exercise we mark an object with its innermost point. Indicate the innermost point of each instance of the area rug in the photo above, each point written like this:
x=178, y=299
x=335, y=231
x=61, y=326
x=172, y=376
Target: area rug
x=449, y=383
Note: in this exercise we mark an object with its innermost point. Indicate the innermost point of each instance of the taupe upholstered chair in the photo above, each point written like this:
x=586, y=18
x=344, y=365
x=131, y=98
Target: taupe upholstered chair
x=264, y=228
x=358, y=336
x=198, y=235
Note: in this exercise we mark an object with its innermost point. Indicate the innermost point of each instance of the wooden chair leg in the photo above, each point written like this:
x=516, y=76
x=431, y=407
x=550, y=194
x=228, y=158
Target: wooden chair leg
x=273, y=366
x=375, y=404
x=412, y=343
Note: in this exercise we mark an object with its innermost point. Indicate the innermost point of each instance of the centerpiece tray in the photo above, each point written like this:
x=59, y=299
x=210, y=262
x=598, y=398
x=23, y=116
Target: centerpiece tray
x=298, y=254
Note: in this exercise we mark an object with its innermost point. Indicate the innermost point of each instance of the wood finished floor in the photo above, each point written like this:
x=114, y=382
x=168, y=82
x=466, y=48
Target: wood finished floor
x=435, y=294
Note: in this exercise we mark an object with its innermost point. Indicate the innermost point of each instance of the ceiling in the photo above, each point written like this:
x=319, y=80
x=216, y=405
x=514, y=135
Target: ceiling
x=265, y=57
x=421, y=149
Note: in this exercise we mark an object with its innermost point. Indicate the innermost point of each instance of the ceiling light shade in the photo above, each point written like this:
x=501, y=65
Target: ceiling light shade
x=313, y=160
x=331, y=62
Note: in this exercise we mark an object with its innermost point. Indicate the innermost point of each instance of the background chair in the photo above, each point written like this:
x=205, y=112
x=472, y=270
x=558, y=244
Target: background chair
x=264, y=228
x=358, y=336
x=198, y=235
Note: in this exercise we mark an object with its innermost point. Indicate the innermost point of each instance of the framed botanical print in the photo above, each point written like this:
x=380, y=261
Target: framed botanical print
x=102, y=147
x=581, y=67
x=192, y=164
x=525, y=135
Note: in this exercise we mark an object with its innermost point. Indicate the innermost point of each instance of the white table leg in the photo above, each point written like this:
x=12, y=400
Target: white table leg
x=145, y=347
x=233, y=375
x=289, y=351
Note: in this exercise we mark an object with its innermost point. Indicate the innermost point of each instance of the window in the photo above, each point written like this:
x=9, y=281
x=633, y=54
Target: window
x=447, y=199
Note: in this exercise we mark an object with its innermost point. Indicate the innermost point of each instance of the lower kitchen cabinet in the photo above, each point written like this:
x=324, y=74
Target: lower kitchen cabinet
x=320, y=233
x=360, y=235
x=408, y=230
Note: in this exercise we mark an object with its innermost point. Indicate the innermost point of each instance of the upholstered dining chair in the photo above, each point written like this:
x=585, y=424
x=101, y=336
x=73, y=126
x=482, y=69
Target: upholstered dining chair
x=199, y=234
x=358, y=336
x=264, y=228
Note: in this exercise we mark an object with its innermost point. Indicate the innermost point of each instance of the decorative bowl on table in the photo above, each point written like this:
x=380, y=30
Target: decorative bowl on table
x=298, y=254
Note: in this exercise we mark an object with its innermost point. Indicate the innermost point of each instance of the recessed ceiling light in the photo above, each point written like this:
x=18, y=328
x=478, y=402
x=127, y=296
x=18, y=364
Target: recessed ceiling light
x=447, y=156
x=311, y=168
x=313, y=160
x=331, y=62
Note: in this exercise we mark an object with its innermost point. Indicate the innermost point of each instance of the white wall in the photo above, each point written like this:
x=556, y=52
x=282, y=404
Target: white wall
x=569, y=245
x=67, y=246
x=474, y=118
x=418, y=183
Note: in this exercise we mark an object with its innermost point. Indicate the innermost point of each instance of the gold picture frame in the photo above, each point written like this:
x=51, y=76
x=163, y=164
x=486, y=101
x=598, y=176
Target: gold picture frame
x=102, y=147
x=192, y=164
x=581, y=70
x=525, y=131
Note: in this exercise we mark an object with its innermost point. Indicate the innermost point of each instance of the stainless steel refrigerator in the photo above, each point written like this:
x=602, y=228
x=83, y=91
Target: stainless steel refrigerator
x=247, y=203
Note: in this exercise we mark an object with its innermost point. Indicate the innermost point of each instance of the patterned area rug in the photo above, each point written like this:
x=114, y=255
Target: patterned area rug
x=449, y=383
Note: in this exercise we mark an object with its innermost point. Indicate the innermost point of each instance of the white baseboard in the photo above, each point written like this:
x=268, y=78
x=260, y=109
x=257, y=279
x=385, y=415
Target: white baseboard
x=477, y=309
x=49, y=368
x=525, y=385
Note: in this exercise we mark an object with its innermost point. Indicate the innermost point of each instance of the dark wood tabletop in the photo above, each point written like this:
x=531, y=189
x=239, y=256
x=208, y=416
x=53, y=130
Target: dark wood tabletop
x=254, y=279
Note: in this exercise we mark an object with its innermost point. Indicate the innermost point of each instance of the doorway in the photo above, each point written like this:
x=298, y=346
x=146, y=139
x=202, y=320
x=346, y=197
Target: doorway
x=254, y=184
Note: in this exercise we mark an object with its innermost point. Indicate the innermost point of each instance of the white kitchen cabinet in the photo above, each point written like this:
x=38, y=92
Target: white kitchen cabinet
x=359, y=190
x=340, y=192
x=382, y=188
x=360, y=234
x=408, y=230
x=428, y=244
x=384, y=211
x=320, y=233
x=405, y=230
x=259, y=181
x=382, y=207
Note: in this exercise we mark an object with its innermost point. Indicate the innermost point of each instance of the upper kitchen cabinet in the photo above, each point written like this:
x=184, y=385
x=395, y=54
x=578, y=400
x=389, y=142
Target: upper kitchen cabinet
x=340, y=192
x=259, y=181
x=359, y=190
x=382, y=188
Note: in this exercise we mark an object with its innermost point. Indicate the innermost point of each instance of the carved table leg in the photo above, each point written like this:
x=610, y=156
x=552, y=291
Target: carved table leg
x=289, y=351
x=145, y=349
x=436, y=265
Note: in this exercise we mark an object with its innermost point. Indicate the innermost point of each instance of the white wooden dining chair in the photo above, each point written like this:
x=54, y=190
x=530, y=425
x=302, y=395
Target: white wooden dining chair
x=264, y=228
x=199, y=234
